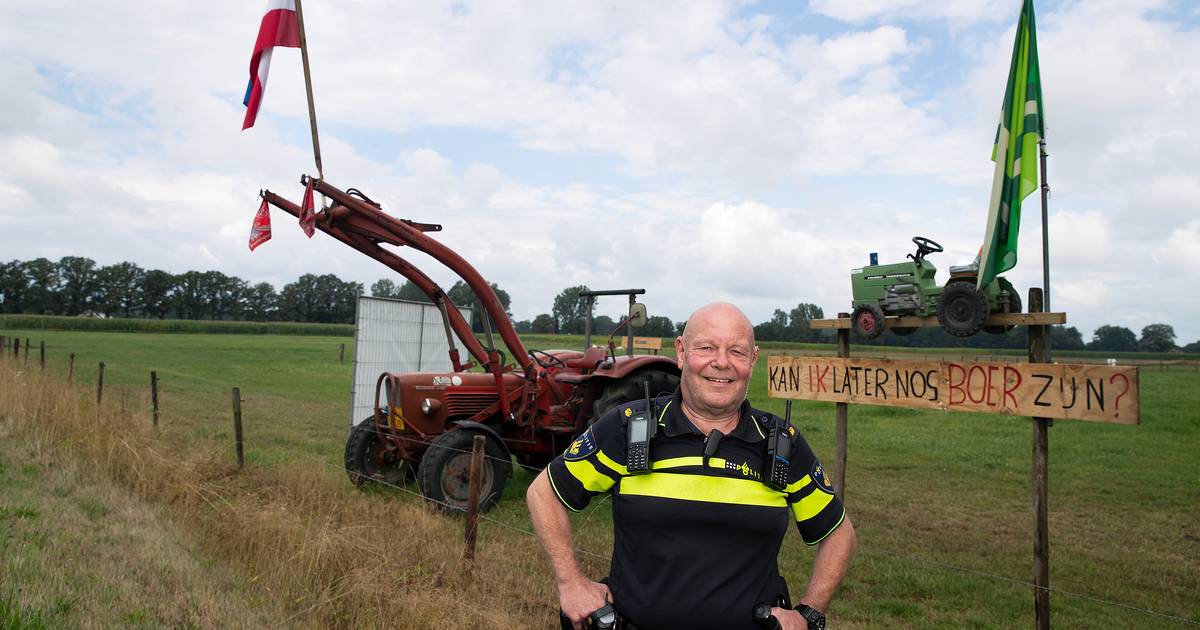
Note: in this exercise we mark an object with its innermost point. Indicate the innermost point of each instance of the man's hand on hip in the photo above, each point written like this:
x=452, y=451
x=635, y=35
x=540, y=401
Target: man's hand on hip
x=580, y=598
x=789, y=619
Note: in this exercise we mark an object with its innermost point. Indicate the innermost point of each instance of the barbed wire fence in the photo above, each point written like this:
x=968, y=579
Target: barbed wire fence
x=126, y=413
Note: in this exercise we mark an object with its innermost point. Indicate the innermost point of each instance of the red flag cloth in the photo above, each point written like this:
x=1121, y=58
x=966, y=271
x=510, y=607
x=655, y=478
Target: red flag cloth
x=308, y=216
x=279, y=27
x=260, y=230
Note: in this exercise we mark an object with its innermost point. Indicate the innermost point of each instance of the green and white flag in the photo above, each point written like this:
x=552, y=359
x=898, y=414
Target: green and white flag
x=1015, y=152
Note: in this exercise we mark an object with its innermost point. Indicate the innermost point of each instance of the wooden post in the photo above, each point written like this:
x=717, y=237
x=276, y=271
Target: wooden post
x=342, y=353
x=27, y=352
x=237, y=424
x=843, y=412
x=42, y=355
x=16, y=348
x=473, y=496
x=3, y=342
x=71, y=369
x=100, y=384
x=1039, y=352
x=154, y=395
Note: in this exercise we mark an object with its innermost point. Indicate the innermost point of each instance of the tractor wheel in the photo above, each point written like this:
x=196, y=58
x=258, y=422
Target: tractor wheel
x=867, y=321
x=631, y=388
x=368, y=461
x=962, y=309
x=445, y=475
x=1014, y=306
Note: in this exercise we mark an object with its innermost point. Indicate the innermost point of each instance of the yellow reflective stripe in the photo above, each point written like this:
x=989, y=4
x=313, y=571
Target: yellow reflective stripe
x=663, y=414
x=702, y=488
x=694, y=460
x=755, y=423
x=811, y=505
x=792, y=487
x=586, y=473
x=608, y=461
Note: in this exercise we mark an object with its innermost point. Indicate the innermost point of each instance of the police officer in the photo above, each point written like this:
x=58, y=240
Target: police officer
x=696, y=536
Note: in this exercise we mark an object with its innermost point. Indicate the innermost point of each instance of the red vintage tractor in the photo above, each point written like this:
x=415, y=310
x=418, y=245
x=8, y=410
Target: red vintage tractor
x=424, y=422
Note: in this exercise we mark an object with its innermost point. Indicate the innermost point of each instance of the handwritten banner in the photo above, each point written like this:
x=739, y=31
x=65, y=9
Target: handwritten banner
x=1097, y=393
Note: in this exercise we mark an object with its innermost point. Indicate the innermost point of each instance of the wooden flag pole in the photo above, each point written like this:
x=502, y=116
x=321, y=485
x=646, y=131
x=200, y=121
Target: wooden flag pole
x=312, y=110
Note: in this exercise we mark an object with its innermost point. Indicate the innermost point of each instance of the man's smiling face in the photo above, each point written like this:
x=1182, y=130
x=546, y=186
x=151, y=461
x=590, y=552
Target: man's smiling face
x=716, y=355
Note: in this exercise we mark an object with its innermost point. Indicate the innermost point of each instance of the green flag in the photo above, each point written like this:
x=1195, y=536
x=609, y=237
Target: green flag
x=1015, y=152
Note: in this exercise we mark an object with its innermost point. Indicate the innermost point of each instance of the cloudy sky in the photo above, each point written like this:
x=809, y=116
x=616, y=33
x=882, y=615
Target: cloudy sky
x=748, y=151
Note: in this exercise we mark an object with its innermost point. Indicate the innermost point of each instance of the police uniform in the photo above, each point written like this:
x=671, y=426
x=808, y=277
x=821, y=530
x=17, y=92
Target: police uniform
x=695, y=542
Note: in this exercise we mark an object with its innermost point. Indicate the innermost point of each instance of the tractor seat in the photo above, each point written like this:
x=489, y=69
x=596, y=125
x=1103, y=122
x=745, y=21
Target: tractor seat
x=971, y=269
x=589, y=359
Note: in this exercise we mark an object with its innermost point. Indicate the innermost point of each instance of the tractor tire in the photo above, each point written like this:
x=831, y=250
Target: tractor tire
x=867, y=321
x=1014, y=306
x=962, y=309
x=367, y=461
x=630, y=388
x=445, y=474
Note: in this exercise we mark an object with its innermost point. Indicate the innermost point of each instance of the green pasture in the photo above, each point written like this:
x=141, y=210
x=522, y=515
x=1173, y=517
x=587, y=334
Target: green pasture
x=941, y=500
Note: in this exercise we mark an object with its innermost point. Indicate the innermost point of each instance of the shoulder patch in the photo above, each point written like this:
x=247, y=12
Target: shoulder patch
x=821, y=478
x=582, y=447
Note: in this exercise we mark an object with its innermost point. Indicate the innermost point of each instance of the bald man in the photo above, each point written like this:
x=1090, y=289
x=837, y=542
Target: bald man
x=696, y=537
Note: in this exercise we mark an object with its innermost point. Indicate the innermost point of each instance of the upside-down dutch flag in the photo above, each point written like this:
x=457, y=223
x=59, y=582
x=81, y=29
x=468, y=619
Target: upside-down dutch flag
x=279, y=28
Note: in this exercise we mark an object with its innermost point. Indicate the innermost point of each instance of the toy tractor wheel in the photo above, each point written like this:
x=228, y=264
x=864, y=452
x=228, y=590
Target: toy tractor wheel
x=445, y=475
x=368, y=460
x=1014, y=306
x=867, y=321
x=631, y=388
x=962, y=309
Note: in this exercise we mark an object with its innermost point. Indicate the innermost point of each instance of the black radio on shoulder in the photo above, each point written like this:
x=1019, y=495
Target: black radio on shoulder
x=779, y=452
x=642, y=428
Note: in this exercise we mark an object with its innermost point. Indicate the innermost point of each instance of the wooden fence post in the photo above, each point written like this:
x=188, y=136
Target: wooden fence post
x=3, y=342
x=100, y=384
x=154, y=395
x=342, y=353
x=1039, y=352
x=473, y=496
x=71, y=369
x=27, y=352
x=42, y=353
x=237, y=424
x=843, y=412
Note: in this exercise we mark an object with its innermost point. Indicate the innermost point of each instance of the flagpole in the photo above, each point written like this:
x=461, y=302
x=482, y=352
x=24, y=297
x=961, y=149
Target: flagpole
x=312, y=111
x=1045, y=229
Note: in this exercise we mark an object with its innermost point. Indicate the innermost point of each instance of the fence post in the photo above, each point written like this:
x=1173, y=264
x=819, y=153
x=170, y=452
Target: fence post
x=843, y=412
x=3, y=342
x=1039, y=352
x=71, y=369
x=16, y=348
x=342, y=353
x=100, y=384
x=237, y=424
x=154, y=395
x=473, y=496
x=27, y=352
x=42, y=352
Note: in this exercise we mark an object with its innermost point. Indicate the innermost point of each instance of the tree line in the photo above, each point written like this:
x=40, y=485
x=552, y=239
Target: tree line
x=76, y=285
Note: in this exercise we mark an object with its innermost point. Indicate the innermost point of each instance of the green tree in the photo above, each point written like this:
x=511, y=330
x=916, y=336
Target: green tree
x=570, y=310
x=118, y=288
x=384, y=288
x=800, y=322
x=1157, y=338
x=42, y=296
x=657, y=326
x=78, y=284
x=157, y=293
x=1066, y=338
x=13, y=287
x=324, y=299
x=603, y=325
x=544, y=324
x=413, y=293
x=190, y=298
x=1113, y=339
x=462, y=295
x=260, y=303
x=774, y=329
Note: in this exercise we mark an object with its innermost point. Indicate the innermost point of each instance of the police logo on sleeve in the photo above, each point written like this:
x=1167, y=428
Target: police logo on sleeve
x=821, y=477
x=583, y=446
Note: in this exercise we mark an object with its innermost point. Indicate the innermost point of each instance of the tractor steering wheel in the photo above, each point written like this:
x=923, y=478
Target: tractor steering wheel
x=550, y=359
x=924, y=246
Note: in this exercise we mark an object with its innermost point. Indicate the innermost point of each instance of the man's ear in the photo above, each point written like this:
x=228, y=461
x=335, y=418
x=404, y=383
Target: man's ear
x=679, y=352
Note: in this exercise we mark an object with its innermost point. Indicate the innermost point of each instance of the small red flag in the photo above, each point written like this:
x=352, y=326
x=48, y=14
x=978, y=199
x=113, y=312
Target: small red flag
x=260, y=230
x=308, y=217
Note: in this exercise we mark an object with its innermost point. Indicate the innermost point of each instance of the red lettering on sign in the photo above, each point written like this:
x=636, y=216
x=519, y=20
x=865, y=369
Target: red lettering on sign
x=821, y=379
x=991, y=369
x=971, y=384
x=1012, y=380
x=956, y=385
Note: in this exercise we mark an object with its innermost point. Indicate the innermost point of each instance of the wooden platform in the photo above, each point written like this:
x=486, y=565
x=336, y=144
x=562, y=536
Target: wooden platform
x=999, y=319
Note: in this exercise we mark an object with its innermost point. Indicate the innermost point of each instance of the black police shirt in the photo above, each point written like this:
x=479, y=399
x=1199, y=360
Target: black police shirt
x=695, y=541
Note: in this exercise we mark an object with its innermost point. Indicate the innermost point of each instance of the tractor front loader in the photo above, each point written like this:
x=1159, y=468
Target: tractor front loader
x=424, y=422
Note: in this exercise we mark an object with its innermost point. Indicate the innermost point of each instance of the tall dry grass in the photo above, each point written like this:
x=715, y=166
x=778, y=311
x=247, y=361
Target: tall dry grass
x=327, y=554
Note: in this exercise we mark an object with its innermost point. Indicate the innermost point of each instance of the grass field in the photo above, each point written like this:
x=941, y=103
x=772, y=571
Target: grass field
x=941, y=500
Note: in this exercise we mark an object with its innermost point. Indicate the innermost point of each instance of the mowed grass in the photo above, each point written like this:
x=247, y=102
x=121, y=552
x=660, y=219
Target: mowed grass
x=941, y=500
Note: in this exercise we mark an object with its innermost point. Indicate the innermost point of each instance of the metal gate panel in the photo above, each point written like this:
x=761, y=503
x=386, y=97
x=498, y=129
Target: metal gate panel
x=395, y=336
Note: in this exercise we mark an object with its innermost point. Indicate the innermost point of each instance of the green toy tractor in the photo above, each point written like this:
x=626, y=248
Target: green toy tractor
x=911, y=289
